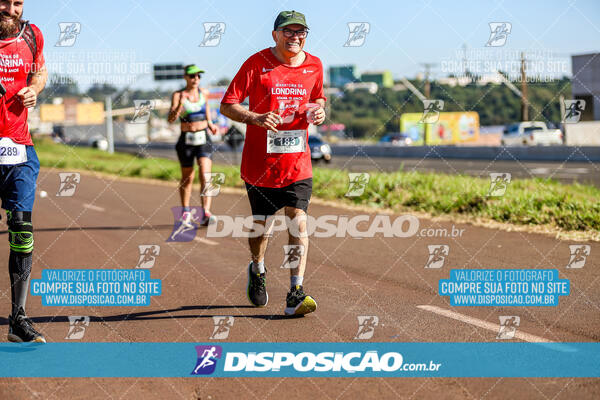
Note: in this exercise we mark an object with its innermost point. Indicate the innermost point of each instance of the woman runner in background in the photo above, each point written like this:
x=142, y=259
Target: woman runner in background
x=191, y=106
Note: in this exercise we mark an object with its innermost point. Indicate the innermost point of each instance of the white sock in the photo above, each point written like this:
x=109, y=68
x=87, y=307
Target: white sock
x=258, y=268
x=296, y=280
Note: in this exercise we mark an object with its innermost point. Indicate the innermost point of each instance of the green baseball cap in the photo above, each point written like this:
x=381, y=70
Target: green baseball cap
x=192, y=69
x=288, y=18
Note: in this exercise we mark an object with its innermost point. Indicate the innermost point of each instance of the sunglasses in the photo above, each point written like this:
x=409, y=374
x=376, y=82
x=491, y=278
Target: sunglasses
x=288, y=33
x=192, y=76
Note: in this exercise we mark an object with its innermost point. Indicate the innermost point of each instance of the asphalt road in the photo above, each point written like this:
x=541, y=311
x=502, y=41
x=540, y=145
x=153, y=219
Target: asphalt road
x=106, y=219
x=567, y=172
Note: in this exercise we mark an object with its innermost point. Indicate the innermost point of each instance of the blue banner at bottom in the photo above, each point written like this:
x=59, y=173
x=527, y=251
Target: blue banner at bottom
x=366, y=359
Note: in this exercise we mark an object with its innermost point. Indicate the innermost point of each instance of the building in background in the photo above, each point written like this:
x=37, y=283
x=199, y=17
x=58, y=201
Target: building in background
x=381, y=78
x=585, y=84
x=342, y=74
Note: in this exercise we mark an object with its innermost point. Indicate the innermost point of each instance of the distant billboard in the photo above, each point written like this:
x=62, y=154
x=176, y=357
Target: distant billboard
x=410, y=124
x=90, y=113
x=52, y=112
x=167, y=72
x=451, y=128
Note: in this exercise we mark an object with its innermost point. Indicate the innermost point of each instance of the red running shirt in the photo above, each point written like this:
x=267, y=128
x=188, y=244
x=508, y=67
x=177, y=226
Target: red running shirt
x=16, y=63
x=271, y=86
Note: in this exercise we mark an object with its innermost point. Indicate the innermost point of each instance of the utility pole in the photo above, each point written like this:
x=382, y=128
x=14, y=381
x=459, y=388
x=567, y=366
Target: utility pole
x=524, y=101
x=464, y=60
x=427, y=88
x=109, y=126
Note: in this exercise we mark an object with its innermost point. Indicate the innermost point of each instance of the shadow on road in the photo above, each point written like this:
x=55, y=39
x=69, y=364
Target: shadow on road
x=160, y=314
x=100, y=228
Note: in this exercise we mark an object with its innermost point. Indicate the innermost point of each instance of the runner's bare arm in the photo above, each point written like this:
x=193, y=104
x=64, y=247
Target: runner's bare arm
x=176, y=106
x=212, y=127
x=29, y=94
x=238, y=113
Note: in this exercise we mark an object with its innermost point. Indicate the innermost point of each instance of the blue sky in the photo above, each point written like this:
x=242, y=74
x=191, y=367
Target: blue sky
x=402, y=34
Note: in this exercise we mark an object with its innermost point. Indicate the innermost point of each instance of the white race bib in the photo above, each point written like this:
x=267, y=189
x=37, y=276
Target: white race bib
x=195, y=138
x=12, y=153
x=286, y=141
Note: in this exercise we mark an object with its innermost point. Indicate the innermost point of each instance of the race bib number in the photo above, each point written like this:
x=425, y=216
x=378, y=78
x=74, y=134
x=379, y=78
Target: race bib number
x=195, y=138
x=12, y=153
x=286, y=141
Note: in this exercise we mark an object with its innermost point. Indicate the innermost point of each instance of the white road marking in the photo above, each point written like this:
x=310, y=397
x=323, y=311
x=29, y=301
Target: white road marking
x=93, y=207
x=483, y=324
x=206, y=241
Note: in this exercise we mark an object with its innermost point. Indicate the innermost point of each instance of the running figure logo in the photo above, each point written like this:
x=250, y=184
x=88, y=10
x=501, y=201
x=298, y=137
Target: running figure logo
x=431, y=111
x=148, y=254
x=437, y=255
x=498, y=184
x=292, y=252
x=68, y=183
x=68, y=33
x=366, y=326
x=214, y=180
x=186, y=224
x=508, y=327
x=143, y=109
x=498, y=33
x=358, y=183
x=579, y=254
x=212, y=33
x=77, y=327
x=573, y=110
x=222, y=326
x=358, y=33
x=207, y=359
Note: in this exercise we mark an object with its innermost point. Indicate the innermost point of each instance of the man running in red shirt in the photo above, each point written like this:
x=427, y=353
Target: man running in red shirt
x=22, y=77
x=280, y=81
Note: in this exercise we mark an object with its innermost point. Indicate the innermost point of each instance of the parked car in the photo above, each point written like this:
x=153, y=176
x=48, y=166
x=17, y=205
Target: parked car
x=396, y=139
x=319, y=150
x=531, y=133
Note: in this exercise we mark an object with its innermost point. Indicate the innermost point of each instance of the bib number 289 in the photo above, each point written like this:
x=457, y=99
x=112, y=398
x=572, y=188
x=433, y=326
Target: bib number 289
x=11, y=153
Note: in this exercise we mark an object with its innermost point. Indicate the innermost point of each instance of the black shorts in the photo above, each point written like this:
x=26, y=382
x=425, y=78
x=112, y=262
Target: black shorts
x=188, y=154
x=267, y=201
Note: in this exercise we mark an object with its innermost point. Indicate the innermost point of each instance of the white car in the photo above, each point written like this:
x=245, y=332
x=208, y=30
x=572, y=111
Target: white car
x=531, y=133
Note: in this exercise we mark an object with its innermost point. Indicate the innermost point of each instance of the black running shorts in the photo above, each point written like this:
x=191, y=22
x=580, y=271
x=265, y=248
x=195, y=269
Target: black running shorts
x=267, y=201
x=188, y=154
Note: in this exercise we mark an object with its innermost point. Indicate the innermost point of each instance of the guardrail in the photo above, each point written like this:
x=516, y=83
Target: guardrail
x=513, y=153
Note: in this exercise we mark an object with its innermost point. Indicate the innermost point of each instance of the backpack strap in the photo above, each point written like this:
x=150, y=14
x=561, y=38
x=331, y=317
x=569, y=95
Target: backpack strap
x=31, y=40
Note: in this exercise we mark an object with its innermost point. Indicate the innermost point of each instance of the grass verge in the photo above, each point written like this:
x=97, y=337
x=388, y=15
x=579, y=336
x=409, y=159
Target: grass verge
x=534, y=202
